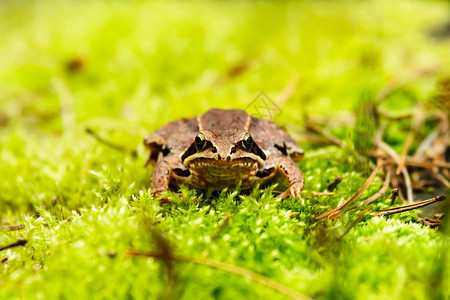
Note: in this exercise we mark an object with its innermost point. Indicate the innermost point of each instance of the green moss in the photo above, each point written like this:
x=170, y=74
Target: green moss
x=136, y=66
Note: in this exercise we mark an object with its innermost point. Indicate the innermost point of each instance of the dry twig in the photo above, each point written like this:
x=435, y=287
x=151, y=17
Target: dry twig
x=396, y=210
x=20, y=242
x=370, y=199
x=224, y=267
x=318, y=194
x=383, y=189
x=406, y=146
x=430, y=222
x=110, y=144
x=222, y=226
x=325, y=133
x=386, y=148
x=12, y=227
x=171, y=290
x=442, y=179
x=334, y=184
x=355, y=196
x=356, y=221
x=394, y=195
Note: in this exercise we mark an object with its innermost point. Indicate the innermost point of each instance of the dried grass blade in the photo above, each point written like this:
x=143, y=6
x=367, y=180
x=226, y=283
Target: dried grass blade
x=356, y=221
x=382, y=190
x=406, y=146
x=356, y=195
x=404, y=208
x=12, y=227
x=391, y=152
x=20, y=242
x=224, y=267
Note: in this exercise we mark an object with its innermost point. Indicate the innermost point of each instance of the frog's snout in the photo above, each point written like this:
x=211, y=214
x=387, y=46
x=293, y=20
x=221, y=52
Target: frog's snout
x=224, y=158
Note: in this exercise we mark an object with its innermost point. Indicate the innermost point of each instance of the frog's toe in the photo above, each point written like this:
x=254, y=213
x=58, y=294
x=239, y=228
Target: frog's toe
x=294, y=190
x=160, y=195
x=164, y=200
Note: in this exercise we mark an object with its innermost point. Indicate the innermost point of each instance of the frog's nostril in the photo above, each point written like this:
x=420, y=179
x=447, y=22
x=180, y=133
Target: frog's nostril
x=228, y=158
x=218, y=157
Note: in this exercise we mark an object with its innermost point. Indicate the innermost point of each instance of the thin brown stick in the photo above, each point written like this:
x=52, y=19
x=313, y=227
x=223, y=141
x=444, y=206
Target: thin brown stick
x=20, y=242
x=416, y=123
x=222, y=226
x=394, y=195
x=416, y=162
x=356, y=195
x=171, y=289
x=334, y=184
x=370, y=199
x=12, y=227
x=396, y=210
x=391, y=152
x=387, y=115
x=445, y=172
x=381, y=191
x=430, y=222
x=325, y=133
x=442, y=179
x=364, y=187
x=340, y=213
x=110, y=144
x=397, y=84
x=224, y=267
x=406, y=146
x=427, y=165
x=427, y=142
x=318, y=194
x=356, y=221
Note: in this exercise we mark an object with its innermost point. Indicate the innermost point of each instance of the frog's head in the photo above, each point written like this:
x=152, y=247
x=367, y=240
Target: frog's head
x=229, y=148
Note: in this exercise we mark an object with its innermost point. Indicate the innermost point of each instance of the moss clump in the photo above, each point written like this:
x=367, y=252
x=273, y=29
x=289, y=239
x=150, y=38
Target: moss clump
x=127, y=68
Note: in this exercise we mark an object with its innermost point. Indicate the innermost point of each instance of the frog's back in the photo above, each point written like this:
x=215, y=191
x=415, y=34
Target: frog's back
x=218, y=120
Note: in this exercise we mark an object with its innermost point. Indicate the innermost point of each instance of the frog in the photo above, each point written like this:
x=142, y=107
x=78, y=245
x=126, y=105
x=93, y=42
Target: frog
x=223, y=149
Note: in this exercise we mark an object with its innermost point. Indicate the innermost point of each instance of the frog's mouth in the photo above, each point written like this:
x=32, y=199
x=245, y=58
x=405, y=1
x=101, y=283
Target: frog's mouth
x=226, y=169
x=218, y=174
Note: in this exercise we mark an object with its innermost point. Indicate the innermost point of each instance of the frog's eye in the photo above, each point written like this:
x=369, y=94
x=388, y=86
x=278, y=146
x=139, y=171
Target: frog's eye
x=200, y=141
x=247, y=141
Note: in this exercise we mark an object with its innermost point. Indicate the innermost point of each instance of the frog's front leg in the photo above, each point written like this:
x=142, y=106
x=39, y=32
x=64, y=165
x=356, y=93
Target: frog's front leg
x=286, y=167
x=162, y=174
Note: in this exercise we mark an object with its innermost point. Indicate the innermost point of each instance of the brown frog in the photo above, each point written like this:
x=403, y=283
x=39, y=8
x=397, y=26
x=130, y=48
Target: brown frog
x=221, y=148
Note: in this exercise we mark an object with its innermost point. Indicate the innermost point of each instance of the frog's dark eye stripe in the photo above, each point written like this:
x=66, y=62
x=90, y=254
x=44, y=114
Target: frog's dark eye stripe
x=247, y=141
x=200, y=138
x=200, y=141
x=247, y=144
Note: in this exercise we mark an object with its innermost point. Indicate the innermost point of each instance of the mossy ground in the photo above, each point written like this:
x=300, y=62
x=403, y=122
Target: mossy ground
x=127, y=68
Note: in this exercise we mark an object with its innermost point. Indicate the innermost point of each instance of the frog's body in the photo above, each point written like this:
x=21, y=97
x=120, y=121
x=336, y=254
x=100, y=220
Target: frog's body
x=221, y=148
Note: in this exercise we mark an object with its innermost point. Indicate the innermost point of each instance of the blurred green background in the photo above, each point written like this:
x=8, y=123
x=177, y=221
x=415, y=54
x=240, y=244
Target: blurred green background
x=125, y=68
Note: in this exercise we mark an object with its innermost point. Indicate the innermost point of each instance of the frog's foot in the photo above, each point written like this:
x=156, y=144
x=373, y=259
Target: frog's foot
x=164, y=200
x=160, y=195
x=162, y=173
x=294, y=191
